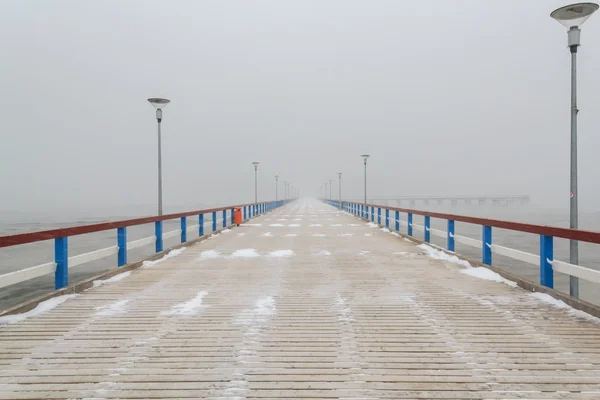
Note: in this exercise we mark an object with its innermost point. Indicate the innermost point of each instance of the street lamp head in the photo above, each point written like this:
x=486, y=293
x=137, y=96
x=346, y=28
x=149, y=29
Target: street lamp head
x=574, y=15
x=159, y=103
x=255, y=163
x=365, y=156
x=339, y=174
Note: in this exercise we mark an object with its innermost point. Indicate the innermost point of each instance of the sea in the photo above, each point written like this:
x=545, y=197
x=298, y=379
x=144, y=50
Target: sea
x=23, y=256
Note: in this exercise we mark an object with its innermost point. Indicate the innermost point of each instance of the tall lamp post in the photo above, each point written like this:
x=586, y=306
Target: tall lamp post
x=572, y=17
x=284, y=191
x=159, y=104
x=340, y=189
x=255, y=163
x=276, y=189
x=365, y=157
x=330, y=181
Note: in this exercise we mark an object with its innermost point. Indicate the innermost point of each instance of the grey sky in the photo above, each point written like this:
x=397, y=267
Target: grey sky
x=455, y=97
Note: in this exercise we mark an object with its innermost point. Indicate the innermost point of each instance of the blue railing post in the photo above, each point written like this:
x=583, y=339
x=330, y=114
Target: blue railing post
x=397, y=219
x=450, y=235
x=387, y=218
x=61, y=258
x=183, y=229
x=546, y=257
x=410, y=217
x=231, y=215
x=224, y=218
x=245, y=213
x=427, y=232
x=214, y=221
x=379, y=216
x=487, y=243
x=201, y=225
x=158, y=233
x=122, y=243
x=372, y=214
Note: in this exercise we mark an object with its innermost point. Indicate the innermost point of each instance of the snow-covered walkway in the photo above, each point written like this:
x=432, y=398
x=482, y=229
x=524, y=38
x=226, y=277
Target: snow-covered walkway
x=303, y=302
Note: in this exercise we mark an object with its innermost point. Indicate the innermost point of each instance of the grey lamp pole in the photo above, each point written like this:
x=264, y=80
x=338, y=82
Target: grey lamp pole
x=340, y=189
x=330, y=181
x=159, y=104
x=255, y=163
x=572, y=17
x=365, y=157
x=284, y=191
x=276, y=191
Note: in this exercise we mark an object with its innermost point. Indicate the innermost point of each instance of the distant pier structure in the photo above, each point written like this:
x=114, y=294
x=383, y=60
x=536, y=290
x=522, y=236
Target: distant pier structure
x=452, y=200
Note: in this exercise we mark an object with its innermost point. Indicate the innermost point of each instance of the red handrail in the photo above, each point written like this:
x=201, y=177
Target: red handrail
x=30, y=237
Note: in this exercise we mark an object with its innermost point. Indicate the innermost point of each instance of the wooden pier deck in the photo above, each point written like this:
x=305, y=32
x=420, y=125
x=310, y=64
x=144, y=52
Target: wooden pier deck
x=304, y=302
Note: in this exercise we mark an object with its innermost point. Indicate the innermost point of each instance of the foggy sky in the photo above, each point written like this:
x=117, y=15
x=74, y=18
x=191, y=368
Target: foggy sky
x=449, y=98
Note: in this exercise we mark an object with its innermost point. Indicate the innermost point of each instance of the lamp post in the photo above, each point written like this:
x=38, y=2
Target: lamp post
x=340, y=189
x=276, y=190
x=284, y=191
x=330, y=181
x=572, y=17
x=255, y=163
x=159, y=104
x=365, y=157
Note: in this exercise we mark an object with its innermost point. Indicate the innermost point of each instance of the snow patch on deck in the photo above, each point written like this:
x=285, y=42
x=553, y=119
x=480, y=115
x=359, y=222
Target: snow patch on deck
x=189, y=307
x=487, y=274
x=344, y=312
x=440, y=255
x=209, y=254
x=116, y=308
x=245, y=253
x=281, y=253
x=171, y=254
x=41, y=308
x=546, y=298
x=113, y=279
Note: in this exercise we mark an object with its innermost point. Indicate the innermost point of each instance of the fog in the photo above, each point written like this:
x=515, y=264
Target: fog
x=448, y=97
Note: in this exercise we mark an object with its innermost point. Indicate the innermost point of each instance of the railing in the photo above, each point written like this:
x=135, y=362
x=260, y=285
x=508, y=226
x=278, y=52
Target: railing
x=545, y=259
x=63, y=263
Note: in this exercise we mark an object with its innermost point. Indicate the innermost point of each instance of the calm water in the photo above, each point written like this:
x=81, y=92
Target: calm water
x=19, y=257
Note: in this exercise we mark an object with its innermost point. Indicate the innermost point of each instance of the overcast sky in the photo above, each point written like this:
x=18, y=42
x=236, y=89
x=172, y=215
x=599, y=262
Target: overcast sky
x=449, y=98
